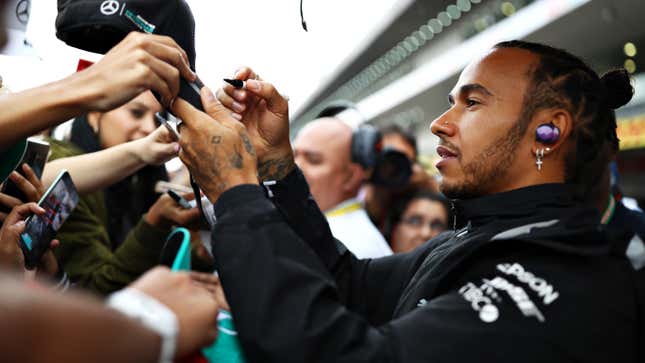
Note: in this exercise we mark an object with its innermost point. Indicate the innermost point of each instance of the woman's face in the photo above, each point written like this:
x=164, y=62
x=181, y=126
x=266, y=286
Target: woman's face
x=129, y=122
x=422, y=220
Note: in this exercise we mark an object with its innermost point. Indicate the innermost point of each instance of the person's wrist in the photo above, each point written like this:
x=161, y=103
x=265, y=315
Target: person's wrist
x=81, y=91
x=153, y=314
x=214, y=190
x=136, y=150
x=277, y=164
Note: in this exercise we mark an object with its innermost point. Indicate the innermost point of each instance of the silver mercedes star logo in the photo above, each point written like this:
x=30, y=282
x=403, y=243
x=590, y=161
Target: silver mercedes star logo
x=22, y=11
x=110, y=7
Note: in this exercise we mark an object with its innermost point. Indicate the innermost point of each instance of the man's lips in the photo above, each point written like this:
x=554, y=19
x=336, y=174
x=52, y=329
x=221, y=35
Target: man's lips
x=445, y=152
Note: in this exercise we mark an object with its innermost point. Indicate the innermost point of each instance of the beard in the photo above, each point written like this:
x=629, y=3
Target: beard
x=491, y=166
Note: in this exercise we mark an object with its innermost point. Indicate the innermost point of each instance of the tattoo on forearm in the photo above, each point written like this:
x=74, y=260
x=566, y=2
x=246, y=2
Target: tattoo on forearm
x=275, y=169
x=248, y=146
x=216, y=139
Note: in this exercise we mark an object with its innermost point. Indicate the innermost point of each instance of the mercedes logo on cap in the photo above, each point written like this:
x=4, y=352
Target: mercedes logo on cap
x=110, y=7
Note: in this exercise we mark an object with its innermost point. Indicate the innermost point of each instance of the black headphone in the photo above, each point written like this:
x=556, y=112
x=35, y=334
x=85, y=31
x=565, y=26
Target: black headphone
x=366, y=139
x=391, y=168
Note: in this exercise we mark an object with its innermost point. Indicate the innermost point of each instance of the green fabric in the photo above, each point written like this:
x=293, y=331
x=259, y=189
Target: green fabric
x=10, y=158
x=86, y=253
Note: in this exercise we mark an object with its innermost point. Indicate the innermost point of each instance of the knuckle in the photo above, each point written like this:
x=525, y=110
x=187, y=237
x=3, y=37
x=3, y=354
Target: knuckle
x=140, y=55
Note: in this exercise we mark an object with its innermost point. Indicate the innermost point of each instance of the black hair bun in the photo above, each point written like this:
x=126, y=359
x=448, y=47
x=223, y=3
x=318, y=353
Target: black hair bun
x=618, y=86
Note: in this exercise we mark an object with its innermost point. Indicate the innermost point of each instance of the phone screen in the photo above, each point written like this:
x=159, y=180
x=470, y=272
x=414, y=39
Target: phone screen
x=35, y=156
x=58, y=202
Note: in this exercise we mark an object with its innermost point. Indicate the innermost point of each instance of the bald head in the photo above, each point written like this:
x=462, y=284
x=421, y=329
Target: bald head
x=322, y=150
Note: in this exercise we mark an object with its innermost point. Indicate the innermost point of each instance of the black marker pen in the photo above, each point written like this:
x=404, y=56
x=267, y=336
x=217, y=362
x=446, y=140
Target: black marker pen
x=179, y=199
x=238, y=84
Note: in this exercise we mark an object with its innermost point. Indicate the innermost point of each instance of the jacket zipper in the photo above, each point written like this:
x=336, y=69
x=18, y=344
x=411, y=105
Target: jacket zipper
x=454, y=215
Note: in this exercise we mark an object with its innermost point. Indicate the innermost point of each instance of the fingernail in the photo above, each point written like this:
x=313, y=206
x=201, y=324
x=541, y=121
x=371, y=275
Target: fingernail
x=20, y=224
x=13, y=176
x=238, y=73
x=238, y=106
x=172, y=102
x=239, y=95
x=176, y=147
x=253, y=85
x=236, y=116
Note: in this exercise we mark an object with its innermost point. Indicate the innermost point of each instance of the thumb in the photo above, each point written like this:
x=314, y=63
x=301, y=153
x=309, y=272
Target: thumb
x=213, y=107
x=14, y=230
x=265, y=90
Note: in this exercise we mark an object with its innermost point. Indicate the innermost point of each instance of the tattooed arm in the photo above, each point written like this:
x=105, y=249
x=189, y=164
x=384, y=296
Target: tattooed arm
x=265, y=113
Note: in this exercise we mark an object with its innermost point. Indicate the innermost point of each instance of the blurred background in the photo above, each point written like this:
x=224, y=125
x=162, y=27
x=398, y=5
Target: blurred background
x=397, y=60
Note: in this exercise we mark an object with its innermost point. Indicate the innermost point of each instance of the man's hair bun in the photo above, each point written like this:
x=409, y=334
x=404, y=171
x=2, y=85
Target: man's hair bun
x=618, y=88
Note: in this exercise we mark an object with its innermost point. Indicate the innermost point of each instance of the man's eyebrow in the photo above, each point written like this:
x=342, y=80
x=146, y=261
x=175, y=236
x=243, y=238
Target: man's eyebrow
x=475, y=87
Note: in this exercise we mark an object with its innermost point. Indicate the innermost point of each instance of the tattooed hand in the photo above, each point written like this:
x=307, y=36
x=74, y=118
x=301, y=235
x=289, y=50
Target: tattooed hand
x=215, y=147
x=265, y=113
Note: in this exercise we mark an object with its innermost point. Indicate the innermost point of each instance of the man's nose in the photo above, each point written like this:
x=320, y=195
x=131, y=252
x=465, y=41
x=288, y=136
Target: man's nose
x=443, y=125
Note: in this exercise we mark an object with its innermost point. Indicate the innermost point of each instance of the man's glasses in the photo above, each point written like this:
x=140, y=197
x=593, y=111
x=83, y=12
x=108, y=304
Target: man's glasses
x=418, y=221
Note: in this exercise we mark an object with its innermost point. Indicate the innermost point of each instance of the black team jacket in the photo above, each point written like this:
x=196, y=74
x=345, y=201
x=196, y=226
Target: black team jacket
x=526, y=276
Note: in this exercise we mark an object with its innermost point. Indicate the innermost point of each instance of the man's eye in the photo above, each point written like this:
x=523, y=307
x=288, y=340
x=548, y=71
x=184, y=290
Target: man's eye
x=470, y=102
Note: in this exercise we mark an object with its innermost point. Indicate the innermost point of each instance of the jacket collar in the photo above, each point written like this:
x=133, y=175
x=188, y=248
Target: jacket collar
x=545, y=214
x=547, y=199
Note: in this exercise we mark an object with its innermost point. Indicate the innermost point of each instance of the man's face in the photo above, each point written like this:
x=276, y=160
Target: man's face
x=322, y=150
x=482, y=149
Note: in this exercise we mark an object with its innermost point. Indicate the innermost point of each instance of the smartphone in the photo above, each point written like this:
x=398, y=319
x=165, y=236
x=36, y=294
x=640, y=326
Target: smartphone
x=58, y=202
x=35, y=156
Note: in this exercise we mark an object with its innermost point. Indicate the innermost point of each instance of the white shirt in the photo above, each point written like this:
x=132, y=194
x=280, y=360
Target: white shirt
x=350, y=224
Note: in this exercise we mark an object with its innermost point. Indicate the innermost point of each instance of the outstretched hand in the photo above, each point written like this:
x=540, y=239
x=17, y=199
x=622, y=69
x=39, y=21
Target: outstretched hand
x=157, y=148
x=139, y=62
x=195, y=307
x=11, y=256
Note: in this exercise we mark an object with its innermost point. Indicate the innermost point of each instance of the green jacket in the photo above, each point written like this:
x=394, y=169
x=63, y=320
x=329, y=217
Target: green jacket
x=86, y=253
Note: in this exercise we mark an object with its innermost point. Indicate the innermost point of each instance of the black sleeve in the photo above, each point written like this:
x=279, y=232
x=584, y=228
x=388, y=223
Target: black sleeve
x=374, y=297
x=287, y=308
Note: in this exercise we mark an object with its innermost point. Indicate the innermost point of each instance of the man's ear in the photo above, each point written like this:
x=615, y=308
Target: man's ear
x=354, y=178
x=559, y=121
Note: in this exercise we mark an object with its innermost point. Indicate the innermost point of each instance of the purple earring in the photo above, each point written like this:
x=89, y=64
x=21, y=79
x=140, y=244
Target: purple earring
x=547, y=134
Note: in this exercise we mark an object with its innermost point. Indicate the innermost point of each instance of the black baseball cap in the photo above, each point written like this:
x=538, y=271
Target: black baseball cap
x=98, y=25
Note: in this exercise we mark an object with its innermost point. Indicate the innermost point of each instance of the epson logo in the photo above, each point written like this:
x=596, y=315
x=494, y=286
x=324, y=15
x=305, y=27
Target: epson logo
x=539, y=285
